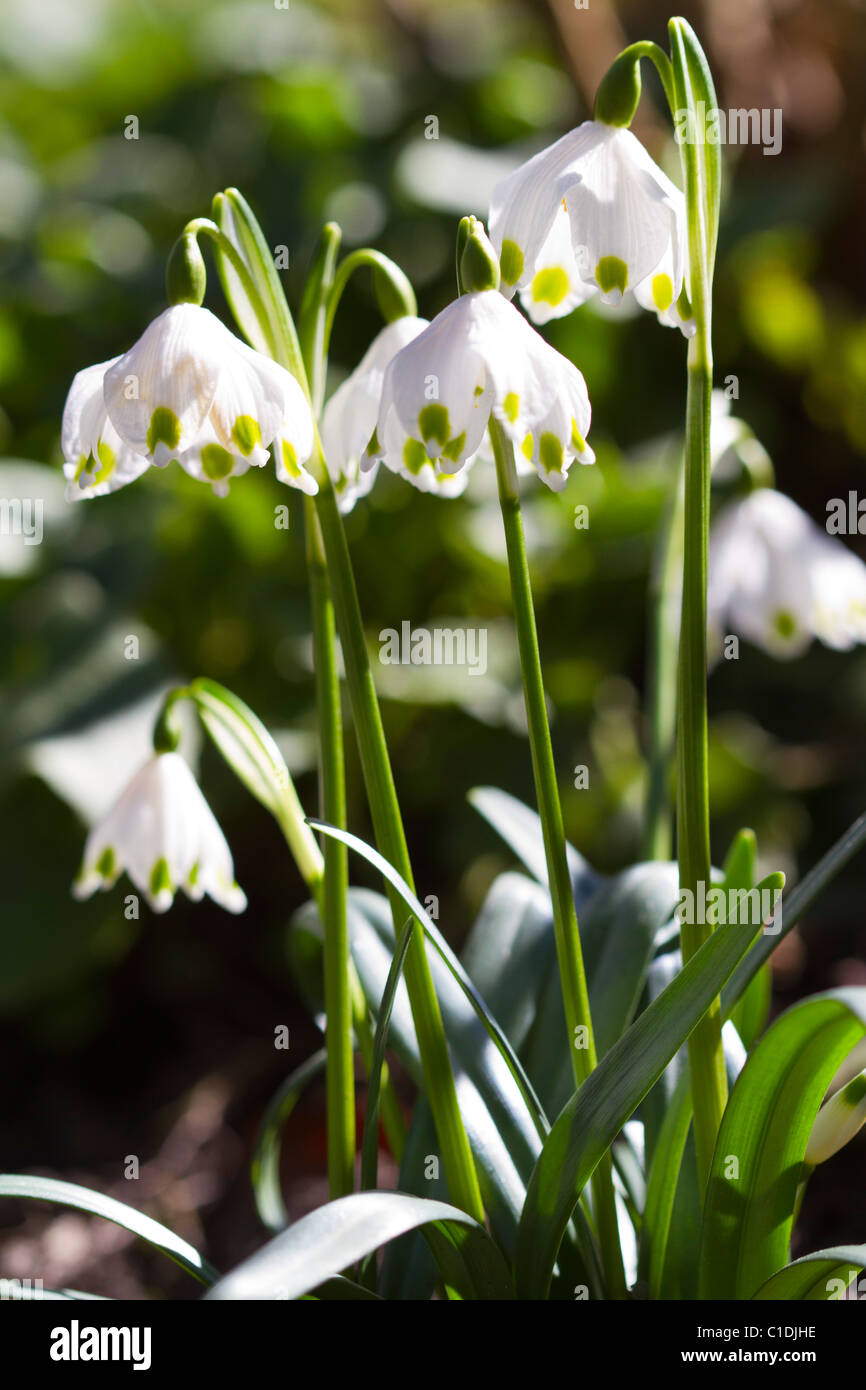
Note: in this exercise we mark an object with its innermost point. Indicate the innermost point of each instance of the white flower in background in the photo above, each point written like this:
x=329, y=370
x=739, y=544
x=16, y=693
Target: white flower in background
x=480, y=357
x=779, y=580
x=162, y=832
x=838, y=1121
x=187, y=390
x=592, y=214
x=350, y=415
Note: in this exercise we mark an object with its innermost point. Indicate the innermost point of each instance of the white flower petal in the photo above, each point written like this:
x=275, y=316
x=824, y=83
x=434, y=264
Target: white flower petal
x=779, y=580
x=591, y=214
x=162, y=832
x=96, y=459
x=481, y=357
x=350, y=415
x=159, y=394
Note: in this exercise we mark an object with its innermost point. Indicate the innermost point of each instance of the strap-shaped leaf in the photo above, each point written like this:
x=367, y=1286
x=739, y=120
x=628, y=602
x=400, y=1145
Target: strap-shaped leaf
x=822, y=1276
x=69, y=1194
x=265, y=1163
x=758, y=1162
x=337, y=1235
x=594, y=1116
x=276, y=336
x=257, y=762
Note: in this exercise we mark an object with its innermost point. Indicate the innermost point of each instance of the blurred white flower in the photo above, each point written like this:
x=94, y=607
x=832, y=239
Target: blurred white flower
x=350, y=415
x=187, y=390
x=838, y=1121
x=163, y=834
x=593, y=213
x=779, y=580
x=478, y=358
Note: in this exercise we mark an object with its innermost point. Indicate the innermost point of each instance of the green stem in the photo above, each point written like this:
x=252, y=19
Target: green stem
x=366, y=256
x=706, y=1057
x=701, y=174
x=340, y=1070
x=388, y=826
x=662, y=675
x=581, y=1040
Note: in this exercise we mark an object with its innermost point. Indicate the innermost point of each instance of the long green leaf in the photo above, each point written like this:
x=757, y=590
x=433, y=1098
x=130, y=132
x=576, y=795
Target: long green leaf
x=337, y=1235
x=234, y=216
x=370, y=1143
x=794, y=904
x=69, y=1194
x=520, y=828
x=594, y=1116
x=440, y=945
x=758, y=1161
x=257, y=762
x=265, y=1163
x=822, y=1276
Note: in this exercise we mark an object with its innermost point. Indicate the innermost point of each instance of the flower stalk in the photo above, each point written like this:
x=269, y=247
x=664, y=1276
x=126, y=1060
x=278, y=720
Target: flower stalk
x=693, y=91
x=570, y=956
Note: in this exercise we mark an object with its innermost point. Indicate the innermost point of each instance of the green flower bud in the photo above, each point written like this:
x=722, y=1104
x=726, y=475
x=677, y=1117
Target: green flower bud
x=185, y=274
x=477, y=262
x=617, y=97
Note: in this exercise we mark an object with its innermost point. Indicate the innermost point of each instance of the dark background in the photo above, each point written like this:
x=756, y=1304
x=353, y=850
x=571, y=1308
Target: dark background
x=155, y=1037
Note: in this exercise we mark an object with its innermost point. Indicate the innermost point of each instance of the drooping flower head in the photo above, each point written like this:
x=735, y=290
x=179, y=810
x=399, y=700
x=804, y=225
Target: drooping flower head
x=190, y=391
x=592, y=214
x=163, y=834
x=478, y=358
x=350, y=415
x=779, y=580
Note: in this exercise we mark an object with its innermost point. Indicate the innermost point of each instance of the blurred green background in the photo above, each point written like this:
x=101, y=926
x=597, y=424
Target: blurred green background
x=154, y=1036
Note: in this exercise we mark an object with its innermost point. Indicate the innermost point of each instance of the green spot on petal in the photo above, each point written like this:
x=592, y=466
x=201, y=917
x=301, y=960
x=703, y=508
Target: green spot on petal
x=663, y=292
x=160, y=878
x=577, y=440
x=246, y=434
x=511, y=405
x=216, y=462
x=550, y=453
x=106, y=865
x=164, y=429
x=785, y=623
x=193, y=875
x=527, y=446
x=454, y=448
x=374, y=448
x=107, y=460
x=414, y=455
x=433, y=422
x=290, y=459
x=511, y=262
x=550, y=286
x=611, y=274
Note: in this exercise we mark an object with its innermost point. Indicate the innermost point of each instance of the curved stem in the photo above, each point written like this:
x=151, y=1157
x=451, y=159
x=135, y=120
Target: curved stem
x=203, y=226
x=356, y=261
x=581, y=1040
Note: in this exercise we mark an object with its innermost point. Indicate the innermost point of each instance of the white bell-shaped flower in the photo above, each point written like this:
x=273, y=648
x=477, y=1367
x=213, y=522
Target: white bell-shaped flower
x=163, y=834
x=779, y=580
x=97, y=460
x=478, y=358
x=838, y=1120
x=350, y=415
x=189, y=390
x=592, y=214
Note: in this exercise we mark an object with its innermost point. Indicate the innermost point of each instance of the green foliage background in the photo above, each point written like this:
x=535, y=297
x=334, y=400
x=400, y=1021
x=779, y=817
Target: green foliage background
x=320, y=111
